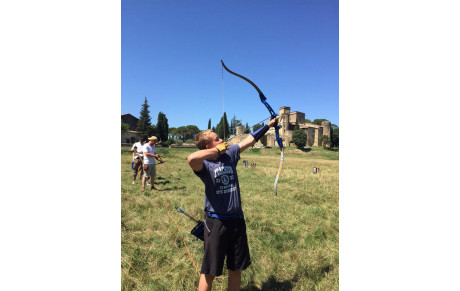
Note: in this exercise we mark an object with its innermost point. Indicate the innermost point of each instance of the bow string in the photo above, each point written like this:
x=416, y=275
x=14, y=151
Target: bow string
x=263, y=99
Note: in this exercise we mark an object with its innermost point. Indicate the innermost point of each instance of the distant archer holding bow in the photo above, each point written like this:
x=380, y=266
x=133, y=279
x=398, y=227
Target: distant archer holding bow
x=150, y=155
x=225, y=228
x=137, y=159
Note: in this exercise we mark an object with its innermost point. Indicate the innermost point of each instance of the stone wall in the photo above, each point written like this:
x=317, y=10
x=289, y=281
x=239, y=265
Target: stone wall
x=313, y=131
x=239, y=130
x=130, y=137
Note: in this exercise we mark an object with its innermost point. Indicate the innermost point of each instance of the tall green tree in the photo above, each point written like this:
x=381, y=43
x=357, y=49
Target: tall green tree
x=162, y=126
x=222, y=128
x=233, y=124
x=296, y=127
x=153, y=130
x=144, y=126
x=209, y=123
x=334, y=136
x=226, y=126
x=247, y=129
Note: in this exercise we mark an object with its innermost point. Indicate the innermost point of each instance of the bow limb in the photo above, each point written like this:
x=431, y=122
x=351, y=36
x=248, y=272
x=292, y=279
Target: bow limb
x=279, y=170
x=280, y=143
x=261, y=95
x=263, y=99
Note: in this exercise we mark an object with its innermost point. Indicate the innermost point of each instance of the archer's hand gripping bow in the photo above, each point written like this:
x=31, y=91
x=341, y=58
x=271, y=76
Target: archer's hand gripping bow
x=263, y=99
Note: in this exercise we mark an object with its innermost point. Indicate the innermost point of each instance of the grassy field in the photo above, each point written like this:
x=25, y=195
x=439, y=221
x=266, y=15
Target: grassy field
x=293, y=237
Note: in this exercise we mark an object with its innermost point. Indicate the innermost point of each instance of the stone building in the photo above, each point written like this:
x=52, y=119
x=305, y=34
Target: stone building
x=288, y=119
x=132, y=135
x=239, y=130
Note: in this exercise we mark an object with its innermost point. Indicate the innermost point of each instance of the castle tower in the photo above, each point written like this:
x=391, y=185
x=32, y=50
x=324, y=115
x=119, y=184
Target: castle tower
x=326, y=128
x=285, y=111
x=239, y=130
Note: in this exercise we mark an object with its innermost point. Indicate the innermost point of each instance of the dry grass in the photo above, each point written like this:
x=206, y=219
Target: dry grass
x=293, y=237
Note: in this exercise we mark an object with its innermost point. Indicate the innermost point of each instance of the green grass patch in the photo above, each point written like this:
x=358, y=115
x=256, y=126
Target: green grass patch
x=293, y=237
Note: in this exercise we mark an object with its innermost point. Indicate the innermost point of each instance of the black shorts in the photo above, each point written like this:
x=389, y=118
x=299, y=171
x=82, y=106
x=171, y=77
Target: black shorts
x=225, y=238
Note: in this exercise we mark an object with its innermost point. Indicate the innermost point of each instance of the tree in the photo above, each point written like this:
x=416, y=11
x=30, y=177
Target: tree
x=124, y=127
x=263, y=139
x=191, y=131
x=299, y=137
x=318, y=121
x=144, y=126
x=325, y=141
x=153, y=130
x=296, y=125
x=162, y=126
x=222, y=128
x=247, y=129
x=172, y=133
x=257, y=126
x=209, y=123
x=233, y=124
x=167, y=143
x=334, y=136
x=307, y=120
x=186, y=132
x=179, y=133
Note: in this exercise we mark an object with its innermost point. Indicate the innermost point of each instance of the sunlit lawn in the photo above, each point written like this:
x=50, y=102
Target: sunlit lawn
x=293, y=237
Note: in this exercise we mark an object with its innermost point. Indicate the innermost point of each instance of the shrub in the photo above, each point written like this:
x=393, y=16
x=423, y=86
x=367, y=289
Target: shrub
x=325, y=141
x=299, y=137
x=167, y=143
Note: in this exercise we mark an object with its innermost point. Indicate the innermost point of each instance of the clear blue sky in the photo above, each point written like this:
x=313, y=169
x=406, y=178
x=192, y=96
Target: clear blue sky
x=171, y=52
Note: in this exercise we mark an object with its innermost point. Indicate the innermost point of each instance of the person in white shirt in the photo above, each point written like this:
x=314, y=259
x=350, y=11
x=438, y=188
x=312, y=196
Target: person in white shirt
x=150, y=155
x=138, y=157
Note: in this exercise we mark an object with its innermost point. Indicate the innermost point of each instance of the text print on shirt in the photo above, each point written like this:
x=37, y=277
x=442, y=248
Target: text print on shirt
x=224, y=175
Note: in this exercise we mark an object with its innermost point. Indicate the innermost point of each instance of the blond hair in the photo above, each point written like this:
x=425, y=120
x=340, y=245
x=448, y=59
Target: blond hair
x=202, y=139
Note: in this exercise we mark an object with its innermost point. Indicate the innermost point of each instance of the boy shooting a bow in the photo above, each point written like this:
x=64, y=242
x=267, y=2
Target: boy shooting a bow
x=225, y=231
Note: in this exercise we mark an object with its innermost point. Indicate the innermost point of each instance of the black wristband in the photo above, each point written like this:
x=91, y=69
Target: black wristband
x=260, y=132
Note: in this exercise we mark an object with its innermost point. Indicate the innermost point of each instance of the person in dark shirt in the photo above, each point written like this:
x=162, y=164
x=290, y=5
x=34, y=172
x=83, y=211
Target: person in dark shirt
x=225, y=228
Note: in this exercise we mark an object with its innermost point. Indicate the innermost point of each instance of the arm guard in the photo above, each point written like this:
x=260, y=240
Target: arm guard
x=260, y=132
